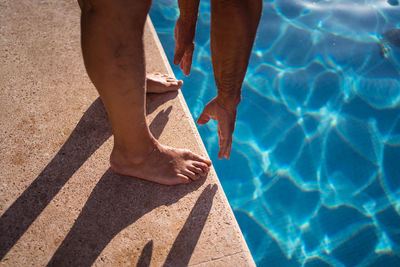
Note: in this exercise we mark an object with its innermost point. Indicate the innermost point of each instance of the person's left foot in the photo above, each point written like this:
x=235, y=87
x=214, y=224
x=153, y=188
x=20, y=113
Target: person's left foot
x=161, y=83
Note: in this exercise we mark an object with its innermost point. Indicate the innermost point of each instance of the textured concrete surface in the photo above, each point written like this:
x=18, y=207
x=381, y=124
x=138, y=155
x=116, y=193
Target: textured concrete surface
x=60, y=203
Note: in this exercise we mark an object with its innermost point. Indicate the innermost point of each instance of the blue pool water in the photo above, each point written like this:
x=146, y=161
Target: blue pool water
x=314, y=175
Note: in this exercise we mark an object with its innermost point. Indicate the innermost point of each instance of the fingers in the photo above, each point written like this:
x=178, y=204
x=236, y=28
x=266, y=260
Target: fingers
x=204, y=118
x=225, y=142
x=222, y=149
x=186, y=62
x=228, y=150
x=225, y=125
x=179, y=52
x=225, y=148
x=183, y=49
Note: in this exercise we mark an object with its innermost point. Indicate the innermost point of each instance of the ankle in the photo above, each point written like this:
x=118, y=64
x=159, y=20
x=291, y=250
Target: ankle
x=133, y=154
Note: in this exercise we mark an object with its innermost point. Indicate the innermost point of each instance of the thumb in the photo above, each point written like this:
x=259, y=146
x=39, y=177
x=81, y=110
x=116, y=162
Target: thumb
x=204, y=118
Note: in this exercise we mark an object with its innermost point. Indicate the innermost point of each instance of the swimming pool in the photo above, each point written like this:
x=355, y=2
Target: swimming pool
x=314, y=174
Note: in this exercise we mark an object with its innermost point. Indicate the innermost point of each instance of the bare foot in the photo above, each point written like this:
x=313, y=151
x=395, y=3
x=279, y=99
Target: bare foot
x=164, y=165
x=161, y=83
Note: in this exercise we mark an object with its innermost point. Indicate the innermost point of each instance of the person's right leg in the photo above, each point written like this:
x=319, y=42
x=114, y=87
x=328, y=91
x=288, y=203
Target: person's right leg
x=113, y=53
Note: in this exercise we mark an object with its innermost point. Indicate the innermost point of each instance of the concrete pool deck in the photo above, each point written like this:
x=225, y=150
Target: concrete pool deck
x=60, y=203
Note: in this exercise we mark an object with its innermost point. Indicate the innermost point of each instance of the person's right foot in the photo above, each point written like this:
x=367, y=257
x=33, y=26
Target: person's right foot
x=164, y=165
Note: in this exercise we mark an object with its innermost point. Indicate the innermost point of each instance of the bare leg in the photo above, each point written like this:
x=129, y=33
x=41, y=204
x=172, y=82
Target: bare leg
x=113, y=53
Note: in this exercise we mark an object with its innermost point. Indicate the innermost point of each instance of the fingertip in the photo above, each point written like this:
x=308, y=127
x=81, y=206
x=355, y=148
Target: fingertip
x=200, y=121
x=178, y=57
x=184, y=68
x=187, y=70
x=228, y=153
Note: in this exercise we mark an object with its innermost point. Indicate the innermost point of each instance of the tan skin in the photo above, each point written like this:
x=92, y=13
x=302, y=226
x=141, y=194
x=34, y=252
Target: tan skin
x=112, y=46
x=233, y=28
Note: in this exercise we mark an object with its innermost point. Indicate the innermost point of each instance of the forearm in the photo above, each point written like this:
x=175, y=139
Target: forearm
x=189, y=10
x=233, y=28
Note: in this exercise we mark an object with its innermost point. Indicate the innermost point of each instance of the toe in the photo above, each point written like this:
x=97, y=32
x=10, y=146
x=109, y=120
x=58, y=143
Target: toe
x=192, y=175
x=197, y=170
x=183, y=179
x=201, y=165
x=172, y=84
x=201, y=159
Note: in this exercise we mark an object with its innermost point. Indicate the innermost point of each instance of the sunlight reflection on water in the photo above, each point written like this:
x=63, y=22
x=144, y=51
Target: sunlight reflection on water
x=314, y=175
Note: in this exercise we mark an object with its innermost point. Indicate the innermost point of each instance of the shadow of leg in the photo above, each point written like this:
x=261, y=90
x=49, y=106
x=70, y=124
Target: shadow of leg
x=115, y=203
x=153, y=101
x=158, y=124
x=90, y=133
x=186, y=241
x=145, y=257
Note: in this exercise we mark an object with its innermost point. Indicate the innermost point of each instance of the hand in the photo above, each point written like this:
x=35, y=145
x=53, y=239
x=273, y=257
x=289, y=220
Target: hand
x=226, y=125
x=184, y=44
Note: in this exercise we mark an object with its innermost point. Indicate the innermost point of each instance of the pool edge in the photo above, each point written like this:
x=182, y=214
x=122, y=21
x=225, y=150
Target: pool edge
x=200, y=143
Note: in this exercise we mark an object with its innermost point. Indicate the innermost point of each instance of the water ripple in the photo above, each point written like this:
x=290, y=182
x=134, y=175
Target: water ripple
x=314, y=175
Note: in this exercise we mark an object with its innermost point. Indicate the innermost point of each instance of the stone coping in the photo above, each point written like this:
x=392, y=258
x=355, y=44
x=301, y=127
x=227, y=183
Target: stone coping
x=60, y=203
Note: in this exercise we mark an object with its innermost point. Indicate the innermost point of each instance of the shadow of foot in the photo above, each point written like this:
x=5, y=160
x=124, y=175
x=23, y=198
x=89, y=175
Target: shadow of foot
x=186, y=241
x=90, y=133
x=115, y=203
x=145, y=257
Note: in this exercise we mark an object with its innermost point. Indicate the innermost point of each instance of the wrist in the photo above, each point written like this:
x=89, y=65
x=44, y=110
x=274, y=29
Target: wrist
x=188, y=18
x=229, y=102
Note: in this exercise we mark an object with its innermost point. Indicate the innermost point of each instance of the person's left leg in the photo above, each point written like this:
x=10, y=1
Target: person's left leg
x=112, y=45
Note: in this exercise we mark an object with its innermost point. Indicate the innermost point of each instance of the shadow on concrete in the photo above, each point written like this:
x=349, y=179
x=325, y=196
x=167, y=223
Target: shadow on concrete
x=115, y=203
x=158, y=123
x=145, y=256
x=183, y=247
x=186, y=241
x=153, y=101
x=90, y=133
